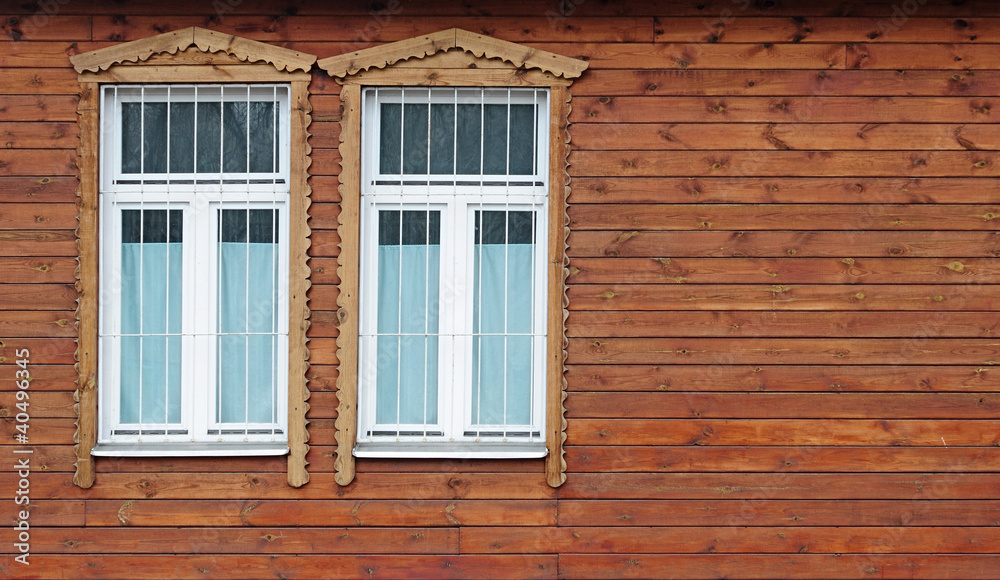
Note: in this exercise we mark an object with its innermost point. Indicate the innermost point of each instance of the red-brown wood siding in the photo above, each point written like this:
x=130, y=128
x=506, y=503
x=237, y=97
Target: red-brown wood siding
x=783, y=327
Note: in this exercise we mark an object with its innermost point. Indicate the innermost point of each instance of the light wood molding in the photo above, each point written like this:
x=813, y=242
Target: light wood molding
x=348, y=265
x=452, y=58
x=85, y=396
x=298, y=284
x=520, y=56
x=244, y=49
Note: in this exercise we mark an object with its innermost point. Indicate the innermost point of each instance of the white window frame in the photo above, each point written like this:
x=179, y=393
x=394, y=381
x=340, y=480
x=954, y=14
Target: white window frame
x=201, y=197
x=457, y=197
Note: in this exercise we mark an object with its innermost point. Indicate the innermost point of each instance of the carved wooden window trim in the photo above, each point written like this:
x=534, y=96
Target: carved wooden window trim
x=191, y=55
x=452, y=58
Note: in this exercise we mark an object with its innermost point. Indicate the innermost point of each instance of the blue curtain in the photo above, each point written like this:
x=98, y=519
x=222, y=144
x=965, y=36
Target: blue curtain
x=151, y=365
x=247, y=361
x=501, y=326
x=407, y=366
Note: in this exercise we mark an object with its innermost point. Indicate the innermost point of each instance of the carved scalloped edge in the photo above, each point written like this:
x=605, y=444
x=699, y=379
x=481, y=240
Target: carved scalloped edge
x=564, y=121
x=306, y=243
x=85, y=479
x=344, y=462
x=244, y=49
x=454, y=38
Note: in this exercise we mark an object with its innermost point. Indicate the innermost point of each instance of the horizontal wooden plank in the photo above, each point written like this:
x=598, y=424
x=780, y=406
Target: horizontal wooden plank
x=845, y=297
x=822, y=28
x=786, y=109
x=818, y=9
x=316, y=566
x=39, y=81
x=782, y=378
x=37, y=243
x=273, y=486
x=730, y=540
x=42, y=351
x=782, y=136
x=46, y=108
x=685, y=56
x=40, y=405
x=610, y=83
x=324, y=244
x=40, y=431
x=784, y=163
x=49, y=378
x=39, y=135
x=785, y=217
x=697, y=566
x=38, y=324
x=959, y=56
x=324, y=188
x=753, y=487
x=776, y=459
x=32, y=161
x=47, y=513
x=749, y=189
x=38, y=189
x=756, y=405
x=49, y=270
x=48, y=459
x=324, y=272
x=778, y=512
x=722, y=351
x=40, y=25
x=283, y=540
x=311, y=513
x=28, y=216
x=783, y=432
x=637, y=323
x=775, y=244
x=663, y=270
x=354, y=29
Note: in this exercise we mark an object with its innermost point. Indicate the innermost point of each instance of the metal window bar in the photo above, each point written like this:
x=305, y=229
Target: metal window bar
x=142, y=223
x=246, y=286
x=427, y=260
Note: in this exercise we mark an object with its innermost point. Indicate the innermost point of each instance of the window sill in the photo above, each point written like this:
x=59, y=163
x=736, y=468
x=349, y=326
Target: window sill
x=450, y=450
x=188, y=449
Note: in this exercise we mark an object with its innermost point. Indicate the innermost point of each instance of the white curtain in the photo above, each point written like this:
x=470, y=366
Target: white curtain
x=151, y=364
x=407, y=365
x=247, y=344
x=501, y=326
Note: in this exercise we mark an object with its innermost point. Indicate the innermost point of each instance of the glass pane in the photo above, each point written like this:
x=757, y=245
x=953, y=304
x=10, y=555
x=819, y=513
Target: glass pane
x=181, y=137
x=409, y=254
x=442, y=139
x=495, y=140
x=234, y=137
x=151, y=316
x=248, y=316
x=415, y=139
x=150, y=121
x=389, y=143
x=502, y=313
x=522, y=139
x=209, y=137
x=131, y=138
x=262, y=141
x=469, y=133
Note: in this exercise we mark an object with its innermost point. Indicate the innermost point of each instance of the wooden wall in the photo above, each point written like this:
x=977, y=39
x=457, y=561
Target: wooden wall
x=784, y=309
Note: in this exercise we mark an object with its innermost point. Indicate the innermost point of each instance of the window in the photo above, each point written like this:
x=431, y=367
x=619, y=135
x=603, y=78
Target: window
x=193, y=327
x=453, y=283
x=469, y=174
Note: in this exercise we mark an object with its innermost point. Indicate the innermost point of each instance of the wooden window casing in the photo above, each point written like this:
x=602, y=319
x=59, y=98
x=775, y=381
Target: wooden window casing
x=451, y=58
x=192, y=55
